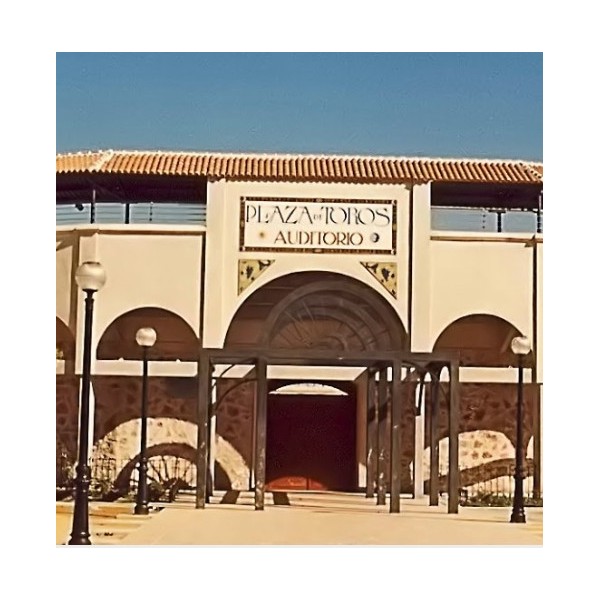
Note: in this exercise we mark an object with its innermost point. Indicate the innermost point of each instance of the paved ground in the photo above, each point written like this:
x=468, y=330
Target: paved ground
x=109, y=522
x=324, y=519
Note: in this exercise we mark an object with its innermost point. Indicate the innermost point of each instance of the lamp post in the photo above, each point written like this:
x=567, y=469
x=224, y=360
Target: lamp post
x=90, y=277
x=521, y=346
x=145, y=338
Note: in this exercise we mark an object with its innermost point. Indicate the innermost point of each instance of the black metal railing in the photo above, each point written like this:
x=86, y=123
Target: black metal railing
x=499, y=489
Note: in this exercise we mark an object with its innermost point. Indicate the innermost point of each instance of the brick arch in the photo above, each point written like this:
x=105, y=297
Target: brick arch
x=313, y=309
x=65, y=340
x=481, y=340
x=175, y=339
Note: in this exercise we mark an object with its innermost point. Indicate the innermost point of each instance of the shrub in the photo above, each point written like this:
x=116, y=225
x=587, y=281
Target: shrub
x=492, y=499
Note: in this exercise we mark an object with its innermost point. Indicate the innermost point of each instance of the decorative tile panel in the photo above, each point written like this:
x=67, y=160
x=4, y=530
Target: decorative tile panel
x=249, y=270
x=385, y=273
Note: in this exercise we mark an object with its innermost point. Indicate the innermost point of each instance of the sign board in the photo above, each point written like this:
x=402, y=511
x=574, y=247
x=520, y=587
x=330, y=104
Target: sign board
x=318, y=225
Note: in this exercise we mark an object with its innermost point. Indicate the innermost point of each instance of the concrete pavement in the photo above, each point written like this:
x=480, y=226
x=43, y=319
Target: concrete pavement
x=109, y=522
x=312, y=518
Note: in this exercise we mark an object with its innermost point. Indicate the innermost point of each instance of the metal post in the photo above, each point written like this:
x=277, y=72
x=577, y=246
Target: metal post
x=382, y=413
x=434, y=447
x=453, y=416
x=261, y=433
x=252, y=469
x=204, y=394
x=93, y=207
x=537, y=443
x=80, y=534
x=372, y=442
x=211, y=443
x=141, y=506
x=395, y=437
x=209, y=490
x=419, y=435
x=518, y=511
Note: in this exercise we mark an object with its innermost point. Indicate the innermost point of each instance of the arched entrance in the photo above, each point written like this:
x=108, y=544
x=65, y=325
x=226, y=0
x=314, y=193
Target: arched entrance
x=312, y=437
x=316, y=309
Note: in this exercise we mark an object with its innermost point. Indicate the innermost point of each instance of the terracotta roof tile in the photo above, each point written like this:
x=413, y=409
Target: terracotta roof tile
x=283, y=167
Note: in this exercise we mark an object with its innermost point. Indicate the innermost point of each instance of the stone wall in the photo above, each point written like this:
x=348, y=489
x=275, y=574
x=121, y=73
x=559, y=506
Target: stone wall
x=118, y=400
x=234, y=411
x=172, y=427
x=486, y=428
x=488, y=406
x=487, y=432
x=67, y=412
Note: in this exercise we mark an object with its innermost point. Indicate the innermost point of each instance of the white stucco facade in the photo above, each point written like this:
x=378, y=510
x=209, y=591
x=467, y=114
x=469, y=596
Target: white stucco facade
x=192, y=277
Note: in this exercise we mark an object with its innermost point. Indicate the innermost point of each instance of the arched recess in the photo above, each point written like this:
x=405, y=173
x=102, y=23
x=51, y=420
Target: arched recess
x=65, y=341
x=175, y=339
x=316, y=309
x=481, y=340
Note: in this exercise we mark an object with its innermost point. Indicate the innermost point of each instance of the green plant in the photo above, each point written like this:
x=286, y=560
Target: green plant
x=494, y=499
x=532, y=502
x=155, y=491
x=65, y=467
x=100, y=488
x=486, y=499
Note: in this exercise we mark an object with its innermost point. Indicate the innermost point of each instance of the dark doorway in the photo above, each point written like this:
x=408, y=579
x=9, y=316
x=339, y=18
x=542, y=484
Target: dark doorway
x=311, y=442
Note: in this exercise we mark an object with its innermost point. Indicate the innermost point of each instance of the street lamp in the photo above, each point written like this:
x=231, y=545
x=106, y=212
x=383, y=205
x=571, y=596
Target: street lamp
x=90, y=277
x=521, y=346
x=145, y=338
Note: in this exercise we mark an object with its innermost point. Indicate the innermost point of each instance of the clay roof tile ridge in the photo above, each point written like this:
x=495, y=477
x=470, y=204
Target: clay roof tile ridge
x=102, y=160
x=529, y=166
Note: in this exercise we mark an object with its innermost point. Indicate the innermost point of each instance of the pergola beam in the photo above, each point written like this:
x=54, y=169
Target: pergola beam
x=387, y=435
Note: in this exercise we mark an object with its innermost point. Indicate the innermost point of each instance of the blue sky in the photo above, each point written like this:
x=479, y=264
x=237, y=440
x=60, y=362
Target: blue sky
x=414, y=104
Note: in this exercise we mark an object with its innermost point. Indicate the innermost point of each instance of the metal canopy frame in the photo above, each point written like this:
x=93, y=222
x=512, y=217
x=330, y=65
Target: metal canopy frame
x=384, y=402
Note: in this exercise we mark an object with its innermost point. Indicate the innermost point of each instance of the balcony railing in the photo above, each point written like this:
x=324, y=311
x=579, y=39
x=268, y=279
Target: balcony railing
x=138, y=213
x=442, y=218
x=486, y=220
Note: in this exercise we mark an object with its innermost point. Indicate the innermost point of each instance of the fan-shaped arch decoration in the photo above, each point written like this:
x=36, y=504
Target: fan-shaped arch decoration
x=317, y=310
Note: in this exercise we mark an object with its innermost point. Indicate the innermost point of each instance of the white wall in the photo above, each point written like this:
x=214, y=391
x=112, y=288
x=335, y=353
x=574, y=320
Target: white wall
x=146, y=266
x=472, y=277
x=223, y=242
